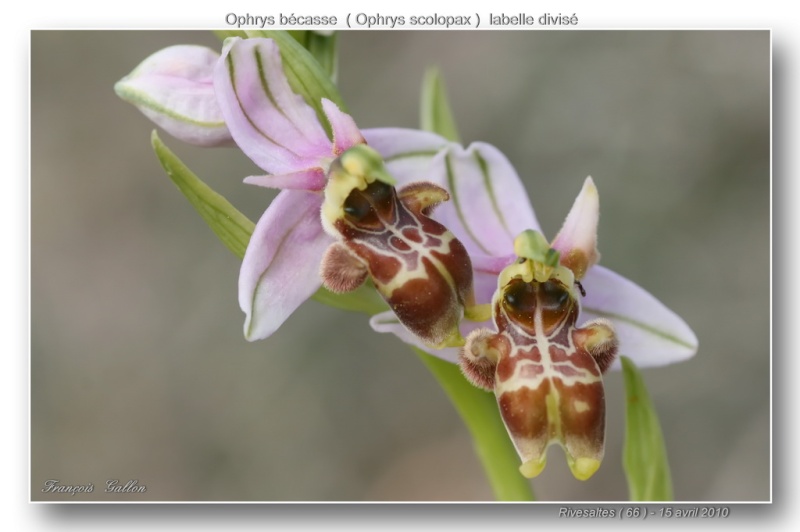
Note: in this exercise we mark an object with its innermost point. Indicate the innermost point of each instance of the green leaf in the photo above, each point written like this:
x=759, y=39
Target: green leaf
x=480, y=413
x=305, y=75
x=644, y=452
x=435, y=113
x=300, y=36
x=231, y=226
x=322, y=47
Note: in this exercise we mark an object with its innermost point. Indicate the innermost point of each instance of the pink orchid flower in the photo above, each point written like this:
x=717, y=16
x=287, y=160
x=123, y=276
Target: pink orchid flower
x=489, y=208
x=243, y=96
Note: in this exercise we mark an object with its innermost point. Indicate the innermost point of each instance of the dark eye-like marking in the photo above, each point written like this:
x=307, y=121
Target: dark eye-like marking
x=519, y=294
x=356, y=206
x=364, y=207
x=553, y=295
x=555, y=301
x=520, y=300
x=380, y=193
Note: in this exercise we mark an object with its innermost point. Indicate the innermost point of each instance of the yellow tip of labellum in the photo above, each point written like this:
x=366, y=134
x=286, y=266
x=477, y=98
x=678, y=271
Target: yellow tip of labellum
x=584, y=468
x=532, y=468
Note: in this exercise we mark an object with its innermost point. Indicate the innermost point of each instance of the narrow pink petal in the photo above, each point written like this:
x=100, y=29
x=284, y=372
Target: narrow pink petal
x=387, y=322
x=271, y=124
x=409, y=153
x=280, y=269
x=313, y=179
x=650, y=334
x=577, y=239
x=174, y=88
x=488, y=204
x=345, y=132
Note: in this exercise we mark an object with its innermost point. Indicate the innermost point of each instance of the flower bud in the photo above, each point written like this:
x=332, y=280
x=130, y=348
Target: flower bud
x=577, y=239
x=174, y=88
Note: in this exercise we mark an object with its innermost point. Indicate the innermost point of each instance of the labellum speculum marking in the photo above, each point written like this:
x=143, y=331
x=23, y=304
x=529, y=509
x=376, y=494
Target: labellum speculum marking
x=545, y=371
x=422, y=271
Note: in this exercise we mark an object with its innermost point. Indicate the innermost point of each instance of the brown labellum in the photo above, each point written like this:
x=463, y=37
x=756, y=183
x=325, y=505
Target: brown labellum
x=422, y=271
x=545, y=372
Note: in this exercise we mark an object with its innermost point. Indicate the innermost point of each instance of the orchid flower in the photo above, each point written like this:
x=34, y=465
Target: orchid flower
x=297, y=245
x=490, y=208
x=543, y=368
x=420, y=269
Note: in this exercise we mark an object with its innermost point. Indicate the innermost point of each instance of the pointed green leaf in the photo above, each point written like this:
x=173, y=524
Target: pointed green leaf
x=324, y=48
x=644, y=453
x=322, y=45
x=435, y=113
x=480, y=413
x=231, y=226
x=300, y=36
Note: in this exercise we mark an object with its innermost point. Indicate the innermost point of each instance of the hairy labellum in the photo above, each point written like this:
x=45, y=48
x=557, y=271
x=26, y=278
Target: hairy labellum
x=420, y=269
x=544, y=370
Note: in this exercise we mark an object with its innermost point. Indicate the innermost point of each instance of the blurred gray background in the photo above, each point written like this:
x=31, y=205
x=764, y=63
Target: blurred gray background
x=138, y=365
